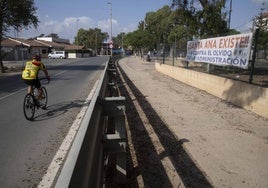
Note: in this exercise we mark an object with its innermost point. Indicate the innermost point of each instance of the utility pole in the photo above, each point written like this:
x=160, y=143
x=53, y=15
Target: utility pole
x=123, y=43
x=254, y=55
x=96, y=40
x=230, y=11
x=77, y=20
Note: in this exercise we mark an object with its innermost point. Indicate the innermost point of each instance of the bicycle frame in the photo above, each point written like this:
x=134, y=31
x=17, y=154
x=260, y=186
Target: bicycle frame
x=32, y=102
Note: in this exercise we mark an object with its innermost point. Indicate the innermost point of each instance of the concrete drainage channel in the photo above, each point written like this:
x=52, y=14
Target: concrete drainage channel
x=101, y=139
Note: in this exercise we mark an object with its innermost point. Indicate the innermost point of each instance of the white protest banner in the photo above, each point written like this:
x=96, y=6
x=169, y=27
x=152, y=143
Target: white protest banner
x=233, y=50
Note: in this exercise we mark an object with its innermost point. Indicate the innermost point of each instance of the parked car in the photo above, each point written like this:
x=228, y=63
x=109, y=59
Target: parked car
x=57, y=55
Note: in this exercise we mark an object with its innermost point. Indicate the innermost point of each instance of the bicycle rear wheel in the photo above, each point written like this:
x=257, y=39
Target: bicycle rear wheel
x=29, y=106
x=43, y=100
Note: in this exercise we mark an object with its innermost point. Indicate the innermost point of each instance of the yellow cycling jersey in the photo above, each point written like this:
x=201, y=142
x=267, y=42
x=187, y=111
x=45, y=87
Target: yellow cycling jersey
x=31, y=70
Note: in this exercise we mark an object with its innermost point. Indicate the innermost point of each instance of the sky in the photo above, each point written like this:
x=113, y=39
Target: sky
x=66, y=17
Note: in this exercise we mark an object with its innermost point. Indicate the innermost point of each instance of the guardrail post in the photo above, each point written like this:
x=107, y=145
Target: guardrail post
x=101, y=134
x=111, y=70
x=115, y=139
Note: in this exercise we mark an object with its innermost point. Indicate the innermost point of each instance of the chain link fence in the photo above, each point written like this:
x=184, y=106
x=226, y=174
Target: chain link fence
x=174, y=54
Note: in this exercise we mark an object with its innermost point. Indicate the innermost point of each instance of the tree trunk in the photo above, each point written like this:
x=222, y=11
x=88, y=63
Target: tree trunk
x=203, y=3
x=2, y=69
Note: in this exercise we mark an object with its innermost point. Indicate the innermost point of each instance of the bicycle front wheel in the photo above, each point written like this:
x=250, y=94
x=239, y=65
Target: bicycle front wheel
x=43, y=100
x=29, y=107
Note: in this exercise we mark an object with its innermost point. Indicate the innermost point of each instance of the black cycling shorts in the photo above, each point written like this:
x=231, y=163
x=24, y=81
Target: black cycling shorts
x=35, y=82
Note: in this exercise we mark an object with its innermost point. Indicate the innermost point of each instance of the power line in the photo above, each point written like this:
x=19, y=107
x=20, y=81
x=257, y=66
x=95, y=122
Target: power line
x=244, y=24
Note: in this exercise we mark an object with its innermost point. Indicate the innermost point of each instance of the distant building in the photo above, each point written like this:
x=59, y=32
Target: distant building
x=22, y=49
x=105, y=49
x=264, y=21
x=54, y=39
x=264, y=17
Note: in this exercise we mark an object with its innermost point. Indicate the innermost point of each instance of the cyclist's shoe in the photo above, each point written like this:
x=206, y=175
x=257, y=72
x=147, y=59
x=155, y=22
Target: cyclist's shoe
x=37, y=104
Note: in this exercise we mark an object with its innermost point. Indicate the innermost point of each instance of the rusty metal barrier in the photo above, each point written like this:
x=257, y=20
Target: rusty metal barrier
x=101, y=134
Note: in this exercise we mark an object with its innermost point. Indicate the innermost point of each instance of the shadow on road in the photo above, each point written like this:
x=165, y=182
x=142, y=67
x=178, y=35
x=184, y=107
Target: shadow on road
x=149, y=162
x=56, y=110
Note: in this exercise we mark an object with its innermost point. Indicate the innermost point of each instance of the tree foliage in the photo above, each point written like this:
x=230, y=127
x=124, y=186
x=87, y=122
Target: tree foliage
x=212, y=20
x=118, y=41
x=91, y=38
x=138, y=40
x=207, y=21
x=16, y=14
x=261, y=23
x=179, y=34
x=159, y=23
x=184, y=20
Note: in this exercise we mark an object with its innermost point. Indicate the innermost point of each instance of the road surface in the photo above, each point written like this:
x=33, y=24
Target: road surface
x=27, y=148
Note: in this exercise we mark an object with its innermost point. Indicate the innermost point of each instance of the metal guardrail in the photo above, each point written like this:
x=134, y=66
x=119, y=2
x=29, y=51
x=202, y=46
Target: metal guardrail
x=101, y=134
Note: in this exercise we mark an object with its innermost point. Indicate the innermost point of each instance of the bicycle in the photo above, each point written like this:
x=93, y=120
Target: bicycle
x=31, y=102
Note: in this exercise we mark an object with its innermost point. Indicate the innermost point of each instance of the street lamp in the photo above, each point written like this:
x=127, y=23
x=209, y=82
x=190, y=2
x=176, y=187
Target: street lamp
x=229, y=19
x=77, y=20
x=111, y=23
x=111, y=18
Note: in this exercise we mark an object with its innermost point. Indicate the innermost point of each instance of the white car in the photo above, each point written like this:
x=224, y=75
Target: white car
x=57, y=55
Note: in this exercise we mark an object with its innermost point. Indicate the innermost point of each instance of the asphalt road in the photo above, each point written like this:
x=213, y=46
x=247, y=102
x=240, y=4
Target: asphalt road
x=26, y=147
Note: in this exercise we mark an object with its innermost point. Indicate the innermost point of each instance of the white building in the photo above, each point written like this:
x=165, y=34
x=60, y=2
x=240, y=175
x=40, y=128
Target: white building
x=53, y=39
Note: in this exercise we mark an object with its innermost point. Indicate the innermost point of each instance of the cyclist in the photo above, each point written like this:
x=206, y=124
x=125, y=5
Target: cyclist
x=30, y=74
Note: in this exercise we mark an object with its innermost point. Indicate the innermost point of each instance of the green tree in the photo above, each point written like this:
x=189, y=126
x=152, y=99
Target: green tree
x=181, y=22
x=118, y=40
x=260, y=20
x=179, y=36
x=261, y=23
x=209, y=20
x=233, y=32
x=159, y=23
x=138, y=40
x=81, y=36
x=212, y=20
x=98, y=38
x=91, y=38
x=16, y=14
x=263, y=40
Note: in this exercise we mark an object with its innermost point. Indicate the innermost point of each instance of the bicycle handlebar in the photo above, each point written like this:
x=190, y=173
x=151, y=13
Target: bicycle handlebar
x=48, y=79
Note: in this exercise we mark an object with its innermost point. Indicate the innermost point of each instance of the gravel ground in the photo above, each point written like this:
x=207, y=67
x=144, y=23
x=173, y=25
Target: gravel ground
x=180, y=136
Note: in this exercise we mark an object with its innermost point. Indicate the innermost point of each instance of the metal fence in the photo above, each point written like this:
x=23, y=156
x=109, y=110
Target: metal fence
x=100, y=137
x=174, y=54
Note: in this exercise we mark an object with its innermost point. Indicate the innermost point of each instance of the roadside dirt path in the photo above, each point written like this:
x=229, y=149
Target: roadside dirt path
x=180, y=136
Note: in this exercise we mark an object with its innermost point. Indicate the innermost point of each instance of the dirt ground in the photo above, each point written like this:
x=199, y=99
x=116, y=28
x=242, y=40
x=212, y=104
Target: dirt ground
x=179, y=136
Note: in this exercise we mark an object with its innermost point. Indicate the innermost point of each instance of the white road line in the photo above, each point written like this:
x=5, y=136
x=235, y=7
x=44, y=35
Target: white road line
x=10, y=94
x=59, y=73
x=57, y=162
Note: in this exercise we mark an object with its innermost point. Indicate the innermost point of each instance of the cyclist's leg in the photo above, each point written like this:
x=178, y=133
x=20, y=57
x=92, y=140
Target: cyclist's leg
x=37, y=84
x=30, y=85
